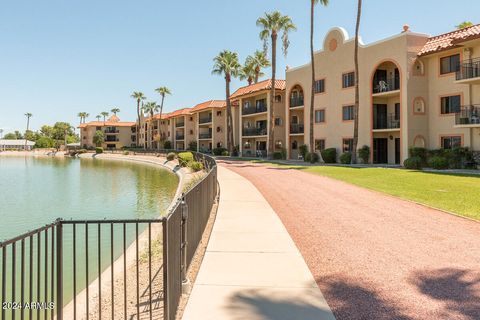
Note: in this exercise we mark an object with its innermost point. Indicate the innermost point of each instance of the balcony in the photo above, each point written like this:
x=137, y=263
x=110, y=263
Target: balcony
x=179, y=136
x=296, y=102
x=296, y=128
x=207, y=135
x=111, y=139
x=386, y=87
x=258, y=108
x=386, y=123
x=249, y=132
x=469, y=116
x=469, y=71
x=111, y=131
x=207, y=119
x=180, y=124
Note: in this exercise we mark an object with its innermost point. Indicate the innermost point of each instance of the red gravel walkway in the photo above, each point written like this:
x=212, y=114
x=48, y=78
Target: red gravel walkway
x=372, y=255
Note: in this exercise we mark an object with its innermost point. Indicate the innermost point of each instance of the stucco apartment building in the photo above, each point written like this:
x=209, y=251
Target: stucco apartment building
x=415, y=90
x=117, y=134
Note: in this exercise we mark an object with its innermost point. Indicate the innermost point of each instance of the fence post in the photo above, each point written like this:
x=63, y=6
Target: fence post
x=59, y=304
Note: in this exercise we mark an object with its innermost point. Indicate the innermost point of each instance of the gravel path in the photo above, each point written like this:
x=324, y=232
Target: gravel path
x=372, y=255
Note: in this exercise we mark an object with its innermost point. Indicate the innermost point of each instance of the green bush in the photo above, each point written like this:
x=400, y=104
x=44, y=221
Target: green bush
x=284, y=153
x=438, y=163
x=225, y=153
x=218, y=151
x=312, y=157
x=82, y=151
x=346, y=158
x=98, y=150
x=167, y=144
x=413, y=163
x=419, y=152
x=195, y=166
x=171, y=156
x=126, y=153
x=303, y=149
x=277, y=155
x=364, y=154
x=329, y=155
x=184, y=158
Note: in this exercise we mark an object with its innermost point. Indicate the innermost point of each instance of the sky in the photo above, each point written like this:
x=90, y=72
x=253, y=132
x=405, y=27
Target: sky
x=61, y=57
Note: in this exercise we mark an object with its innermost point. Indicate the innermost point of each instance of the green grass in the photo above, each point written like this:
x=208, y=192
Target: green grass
x=457, y=193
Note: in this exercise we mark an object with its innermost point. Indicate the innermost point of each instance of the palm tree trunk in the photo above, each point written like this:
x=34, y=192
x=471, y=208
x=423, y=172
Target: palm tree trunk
x=229, y=115
x=138, y=124
x=160, y=120
x=271, y=131
x=257, y=73
x=357, y=90
x=312, y=92
x=28, y=125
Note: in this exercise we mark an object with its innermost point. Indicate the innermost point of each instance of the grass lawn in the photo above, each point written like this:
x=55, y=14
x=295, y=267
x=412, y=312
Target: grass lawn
x=452, y=192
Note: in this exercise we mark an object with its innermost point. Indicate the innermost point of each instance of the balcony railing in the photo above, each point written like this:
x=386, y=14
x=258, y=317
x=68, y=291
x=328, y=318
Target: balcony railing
x=296, y=128
x=205, y=119
x=386, y=85
x=389, y=122
x=179, y=136
x=468, y=69
x=254, y=131
x=207, y=135
x=107, y=131
x=296, y=102
x=111, y=139
x=259, y=107
x=180, y=124
x=468, y=115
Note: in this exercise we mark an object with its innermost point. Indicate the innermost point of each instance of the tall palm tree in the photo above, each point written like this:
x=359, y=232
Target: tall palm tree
x=115, y=111
x=104, y=115
x=312, y=62
x=163, y=91
x=227, y=65
x=247, y=72
x=356, y=108
x=80, y=115
x=272, y=24
x=150, y=108
x=28, y=115
x=259, y=60
x=98, y=117
x=85, y=116
x=139, y=96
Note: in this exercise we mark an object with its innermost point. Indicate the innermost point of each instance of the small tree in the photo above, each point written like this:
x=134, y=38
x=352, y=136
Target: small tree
x=98, y=138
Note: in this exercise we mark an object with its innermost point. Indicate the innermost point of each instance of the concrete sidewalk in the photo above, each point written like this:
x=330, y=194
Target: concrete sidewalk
x=252, y=268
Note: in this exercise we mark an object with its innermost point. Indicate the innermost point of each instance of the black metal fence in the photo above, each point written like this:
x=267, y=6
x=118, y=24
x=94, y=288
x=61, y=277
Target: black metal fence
x=468, y=69
x=110, y=269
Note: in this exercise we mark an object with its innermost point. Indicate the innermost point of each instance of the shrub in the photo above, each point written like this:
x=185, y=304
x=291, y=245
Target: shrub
x=126, y=153
x=418, y=152
x=218, y=151
x=171, y=156
x=414, y=163
x=284, y=153
x=192, y=146
x=346, y=158
x=364, y=153
x=303, y=149
x=225, y=153
x=184, y=158
x=312, y=157
x=98, y=150
x=82, y=151
x=277, y=155
x=438, y=163
x=235, y=151
x=167, y=144
x=195, y=166
x=329, y=155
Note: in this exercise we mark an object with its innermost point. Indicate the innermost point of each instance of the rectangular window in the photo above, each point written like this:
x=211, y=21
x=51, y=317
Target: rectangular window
x=320, y=86
x=219, y=113
x=450, y=104
x=347, y=113
x=278, y=121
x=348, y=80
x=319, y=116
x=397, y=111
x=450, y=64
x=347, y=145
x=319, y=144
x=451, y=142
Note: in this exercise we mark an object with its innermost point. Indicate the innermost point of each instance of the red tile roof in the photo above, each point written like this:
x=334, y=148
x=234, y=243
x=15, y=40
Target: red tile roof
x=208, y=105
x=262, y=85
x=179, y=112
x=157, y=116
x=450, y=40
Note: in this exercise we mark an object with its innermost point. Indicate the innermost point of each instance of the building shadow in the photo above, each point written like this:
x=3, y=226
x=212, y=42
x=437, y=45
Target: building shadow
x=458, y=289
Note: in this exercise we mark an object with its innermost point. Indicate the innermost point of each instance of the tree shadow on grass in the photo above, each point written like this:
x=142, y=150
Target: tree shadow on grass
x=459, y=289
x=350, y=299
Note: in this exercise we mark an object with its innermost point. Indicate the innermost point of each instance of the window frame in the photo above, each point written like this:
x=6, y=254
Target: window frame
x=346, y=79
x=451, y=138
x=322, y=87
x=451, y=68
x=323, y=140
x=352, y=112
x=322, y=119
x=451, y=111
x=350, y=145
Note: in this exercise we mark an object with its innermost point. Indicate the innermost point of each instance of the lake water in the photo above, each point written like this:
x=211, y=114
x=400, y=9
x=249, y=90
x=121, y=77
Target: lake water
x=35, y=191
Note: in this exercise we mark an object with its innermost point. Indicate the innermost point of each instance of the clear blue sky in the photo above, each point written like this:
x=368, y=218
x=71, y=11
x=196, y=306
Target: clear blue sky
x=58, y=58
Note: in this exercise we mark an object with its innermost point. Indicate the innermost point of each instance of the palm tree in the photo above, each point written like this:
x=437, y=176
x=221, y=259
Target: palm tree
x=150, y=108
x=139, y=96
x=312, y=62
x=464, y=24
x=104, y=115
x=226, y=64
x=98, y=117
x=28, y=115
x=85, y=116
x=247, y=72
x=258, y=60
x=115, y=111
x=356, y=112
x=80, y=115
x=163, y=91
x=272, y=24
